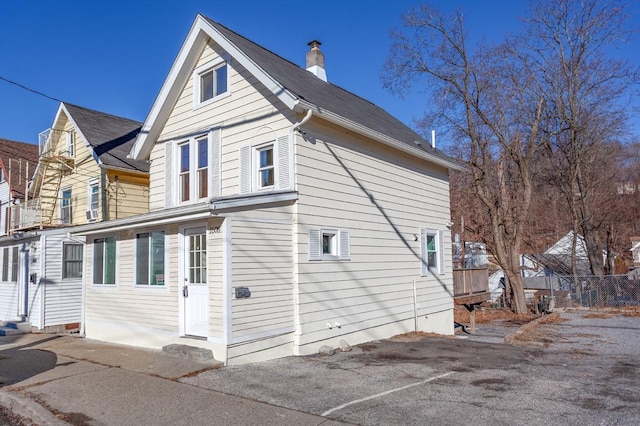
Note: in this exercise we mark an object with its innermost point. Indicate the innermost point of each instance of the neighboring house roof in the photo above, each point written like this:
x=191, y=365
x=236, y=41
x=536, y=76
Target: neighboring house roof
x=110, y=137
x=24, y=159
x=296, y=87
x=558, y=257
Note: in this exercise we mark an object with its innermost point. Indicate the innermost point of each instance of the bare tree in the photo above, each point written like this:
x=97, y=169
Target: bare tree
x=491, y=105
x=568, y=46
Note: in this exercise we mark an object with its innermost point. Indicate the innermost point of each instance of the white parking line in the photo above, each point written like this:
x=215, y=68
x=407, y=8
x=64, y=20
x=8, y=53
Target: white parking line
x=357, y=401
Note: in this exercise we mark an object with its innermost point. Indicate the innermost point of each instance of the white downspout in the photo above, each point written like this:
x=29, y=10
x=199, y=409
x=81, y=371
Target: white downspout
x=296, y=281
x=306, y=118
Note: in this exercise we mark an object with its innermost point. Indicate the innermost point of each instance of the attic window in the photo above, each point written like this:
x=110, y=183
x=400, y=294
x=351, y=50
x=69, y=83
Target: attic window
x=211, y=81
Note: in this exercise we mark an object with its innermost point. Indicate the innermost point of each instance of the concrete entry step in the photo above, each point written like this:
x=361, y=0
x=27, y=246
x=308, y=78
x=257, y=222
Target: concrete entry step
x=11, y=328
x=189, y=352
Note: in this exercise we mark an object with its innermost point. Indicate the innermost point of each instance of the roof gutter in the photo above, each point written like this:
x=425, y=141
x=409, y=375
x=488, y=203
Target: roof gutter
x=389, y=141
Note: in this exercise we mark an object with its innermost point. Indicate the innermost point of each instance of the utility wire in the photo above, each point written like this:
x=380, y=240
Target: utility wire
x=30, y=90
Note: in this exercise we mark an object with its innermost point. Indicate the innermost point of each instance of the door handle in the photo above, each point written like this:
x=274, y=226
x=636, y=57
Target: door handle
x=185, y=291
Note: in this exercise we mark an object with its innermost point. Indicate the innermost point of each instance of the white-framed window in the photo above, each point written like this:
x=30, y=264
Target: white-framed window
x=104, y=261
x=14, y=264
x=93, y=199
x=329, y=244
x=431, y=251
x=69, y=143
x=266, y=166
x=5, y=264
x=210, y=82
x=2, y=177
x=193, y=169
x=202, y=168
x=72, y=260
x=150, y=258
x=65, y=206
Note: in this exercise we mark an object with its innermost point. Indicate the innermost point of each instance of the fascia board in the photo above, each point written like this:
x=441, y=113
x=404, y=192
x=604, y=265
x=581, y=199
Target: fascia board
x=180, y=72
x=289, y=99
x=171, y=88
x=394, y=143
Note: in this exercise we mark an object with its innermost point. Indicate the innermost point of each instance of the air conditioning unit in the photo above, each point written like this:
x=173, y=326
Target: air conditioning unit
x=92, y=215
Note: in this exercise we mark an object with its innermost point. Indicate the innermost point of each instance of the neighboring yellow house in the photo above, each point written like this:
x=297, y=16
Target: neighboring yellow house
x=83, y=174
x=286, y=213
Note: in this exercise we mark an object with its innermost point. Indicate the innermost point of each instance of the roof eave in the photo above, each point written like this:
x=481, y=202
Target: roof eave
x=380, y=137
x=196, y=40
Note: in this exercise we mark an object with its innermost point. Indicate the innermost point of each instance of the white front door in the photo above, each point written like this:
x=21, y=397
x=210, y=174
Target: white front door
x=195, y=291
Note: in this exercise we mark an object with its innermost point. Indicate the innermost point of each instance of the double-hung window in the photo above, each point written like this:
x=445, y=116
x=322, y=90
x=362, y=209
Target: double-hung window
x=65, y=206
x=193, y=169
x=265, y=166
x=72, y=260
x=184, y=176
x=202, y=171
x=431, y=251
x=93, y=200
x=69, y=144
x=150, y=258
x=211, y=81
x=104, y=261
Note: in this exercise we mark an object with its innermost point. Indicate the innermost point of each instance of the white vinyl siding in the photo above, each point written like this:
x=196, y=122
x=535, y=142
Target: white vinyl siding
x=246, y=112
x=262, y=262
x=382, y=200
x=8, y=290
x=136, y=307
x=62, y=296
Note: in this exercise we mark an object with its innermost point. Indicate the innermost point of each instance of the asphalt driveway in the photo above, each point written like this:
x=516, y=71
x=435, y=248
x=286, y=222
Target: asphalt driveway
x=583, y=368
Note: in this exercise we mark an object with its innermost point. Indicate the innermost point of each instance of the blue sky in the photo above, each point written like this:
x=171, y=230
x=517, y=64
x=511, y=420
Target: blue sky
x=114, y=55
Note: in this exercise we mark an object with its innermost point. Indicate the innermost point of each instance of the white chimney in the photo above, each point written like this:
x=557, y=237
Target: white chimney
x=315, y=60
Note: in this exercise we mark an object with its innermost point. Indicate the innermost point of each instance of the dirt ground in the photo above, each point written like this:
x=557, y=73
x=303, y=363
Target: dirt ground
x=486, y=315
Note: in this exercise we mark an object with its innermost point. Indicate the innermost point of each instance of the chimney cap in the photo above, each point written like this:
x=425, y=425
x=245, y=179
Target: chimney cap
x=314, y=44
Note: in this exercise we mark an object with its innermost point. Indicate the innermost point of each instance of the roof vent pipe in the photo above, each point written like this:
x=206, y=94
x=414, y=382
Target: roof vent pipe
x=433, y=138
x=315, y=60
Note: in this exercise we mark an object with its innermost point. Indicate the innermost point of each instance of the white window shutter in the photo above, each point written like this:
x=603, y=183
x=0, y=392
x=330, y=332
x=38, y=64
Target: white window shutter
x=345, y=245
x=315, y=244
x=214, y=163
x=245, y=169
x=168, y=174
x=283, y=165
x=440, y=252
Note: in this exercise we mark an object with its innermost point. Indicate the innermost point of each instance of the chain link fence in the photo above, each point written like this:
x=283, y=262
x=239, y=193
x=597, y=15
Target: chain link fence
x=595, y=292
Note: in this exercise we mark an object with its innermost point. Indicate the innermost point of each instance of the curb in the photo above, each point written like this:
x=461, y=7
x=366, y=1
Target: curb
x=511, y=339
x=28, y=408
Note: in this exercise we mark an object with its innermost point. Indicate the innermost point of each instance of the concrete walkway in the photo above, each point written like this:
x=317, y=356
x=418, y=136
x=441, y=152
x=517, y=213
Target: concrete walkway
x=57, y=380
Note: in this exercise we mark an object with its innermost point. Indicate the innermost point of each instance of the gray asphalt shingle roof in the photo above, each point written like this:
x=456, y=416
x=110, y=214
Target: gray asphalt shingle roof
x=325, y=95
x=111, y=137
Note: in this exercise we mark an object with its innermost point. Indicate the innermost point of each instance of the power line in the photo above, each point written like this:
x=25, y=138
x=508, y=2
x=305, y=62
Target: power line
x=30, y=90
